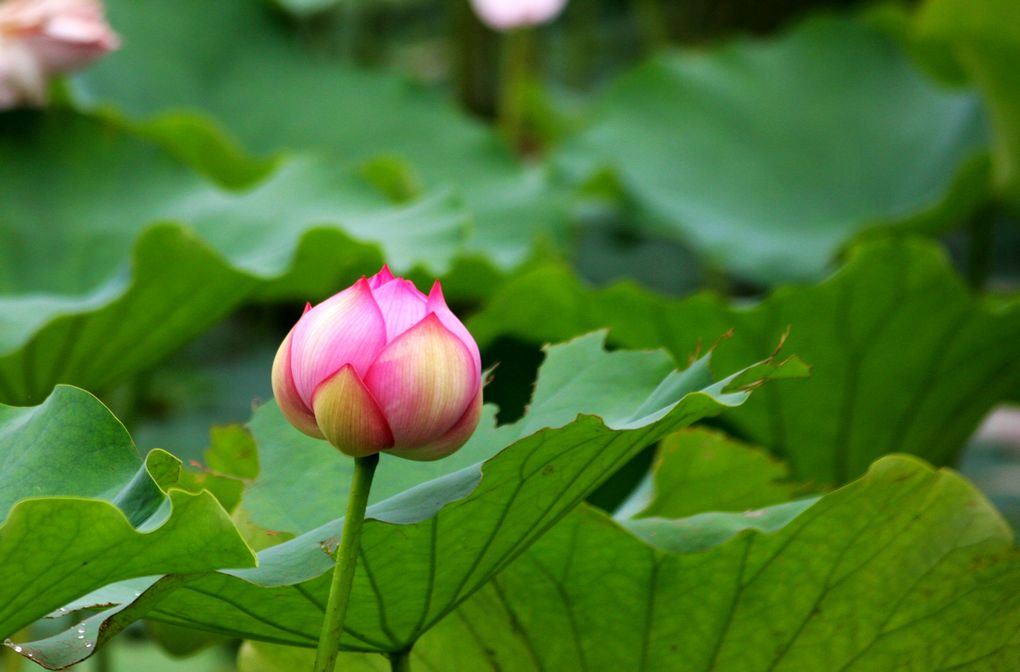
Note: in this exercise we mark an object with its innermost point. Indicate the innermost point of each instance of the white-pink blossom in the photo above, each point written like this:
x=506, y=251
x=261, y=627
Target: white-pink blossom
x=43, y=38
x=510, y=14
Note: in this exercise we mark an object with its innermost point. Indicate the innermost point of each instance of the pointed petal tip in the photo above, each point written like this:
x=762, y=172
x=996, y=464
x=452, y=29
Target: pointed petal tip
x=431, y=319
x=382, y=277
x=436, y=293
x=349, y=416
x=364, y=288
x=434, y=320
x=437, y=306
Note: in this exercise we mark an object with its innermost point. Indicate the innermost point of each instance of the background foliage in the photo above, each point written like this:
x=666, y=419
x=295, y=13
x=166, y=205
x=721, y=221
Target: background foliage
x=707, y=181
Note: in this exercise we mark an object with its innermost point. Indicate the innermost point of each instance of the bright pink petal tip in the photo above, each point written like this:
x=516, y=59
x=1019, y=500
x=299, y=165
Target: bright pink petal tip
x=437, y=304
x=381, y=278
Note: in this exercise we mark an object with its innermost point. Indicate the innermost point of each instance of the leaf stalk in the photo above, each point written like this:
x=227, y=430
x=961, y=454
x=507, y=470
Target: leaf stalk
x=516, y=78
x=400, y=661
x=346, y=562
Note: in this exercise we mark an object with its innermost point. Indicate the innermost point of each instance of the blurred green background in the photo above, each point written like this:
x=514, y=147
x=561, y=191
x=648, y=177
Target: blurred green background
x=163, y=221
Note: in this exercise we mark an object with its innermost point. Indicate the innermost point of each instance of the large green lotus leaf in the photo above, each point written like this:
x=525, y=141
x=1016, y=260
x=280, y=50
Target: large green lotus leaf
x=288, y=457
x=985, y=35
x=274, y=93
x=427, y=548
x=908, y=568
x=114, y=254
x=698, y=469
x=904, y=358
x=79, y=510
x=768, y=157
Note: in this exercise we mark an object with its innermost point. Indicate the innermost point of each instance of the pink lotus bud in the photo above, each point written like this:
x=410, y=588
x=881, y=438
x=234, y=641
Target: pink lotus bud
x=381, y=366
x=510, y=14
x=41, y=38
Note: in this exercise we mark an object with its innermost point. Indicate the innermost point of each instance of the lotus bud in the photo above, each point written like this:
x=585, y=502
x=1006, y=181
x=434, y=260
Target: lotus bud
x=42, y=38
x=509, y=14
x=381, y=367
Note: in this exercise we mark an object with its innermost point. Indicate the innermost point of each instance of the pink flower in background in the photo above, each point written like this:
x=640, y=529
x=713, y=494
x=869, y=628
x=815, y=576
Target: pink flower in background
x=380, y=366
x=22, y=81
x=42, y=38
x=510, y=14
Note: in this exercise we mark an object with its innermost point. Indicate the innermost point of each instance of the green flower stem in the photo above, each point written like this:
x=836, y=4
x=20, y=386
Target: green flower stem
x=400, y=661
x=346, y=561
x=516, y=75
x=474, y=59
x=582, y=27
